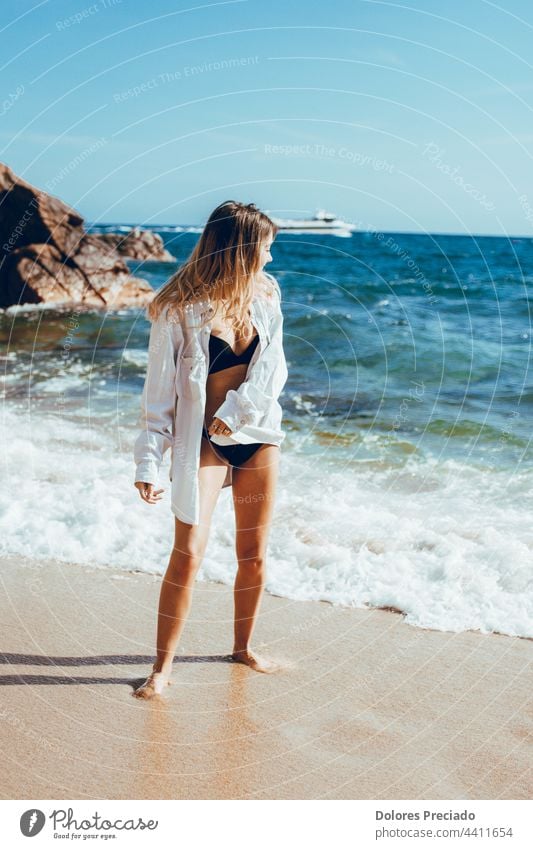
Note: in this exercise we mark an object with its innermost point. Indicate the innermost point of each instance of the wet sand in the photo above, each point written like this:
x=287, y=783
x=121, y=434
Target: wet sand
x=371, y=708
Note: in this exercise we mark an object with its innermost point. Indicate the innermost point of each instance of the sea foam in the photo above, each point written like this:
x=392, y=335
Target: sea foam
x=448, y=545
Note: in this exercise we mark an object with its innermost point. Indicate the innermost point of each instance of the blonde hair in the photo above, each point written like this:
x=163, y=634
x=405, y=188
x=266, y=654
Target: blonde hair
x=223, y=267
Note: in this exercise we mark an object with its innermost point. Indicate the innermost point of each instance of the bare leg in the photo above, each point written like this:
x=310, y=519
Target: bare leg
x=175, y=598
x=254, y=487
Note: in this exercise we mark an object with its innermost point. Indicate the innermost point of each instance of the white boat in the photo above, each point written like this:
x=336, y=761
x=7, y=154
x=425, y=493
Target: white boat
x=321, y=222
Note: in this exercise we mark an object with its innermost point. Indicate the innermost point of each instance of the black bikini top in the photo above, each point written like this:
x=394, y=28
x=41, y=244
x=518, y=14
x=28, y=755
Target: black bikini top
x=221, y=355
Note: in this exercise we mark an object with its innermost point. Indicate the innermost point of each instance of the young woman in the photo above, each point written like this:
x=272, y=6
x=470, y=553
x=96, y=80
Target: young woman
x=216, y=368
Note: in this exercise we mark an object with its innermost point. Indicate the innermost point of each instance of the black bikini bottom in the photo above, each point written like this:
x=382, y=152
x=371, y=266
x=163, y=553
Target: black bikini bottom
x=234, y=454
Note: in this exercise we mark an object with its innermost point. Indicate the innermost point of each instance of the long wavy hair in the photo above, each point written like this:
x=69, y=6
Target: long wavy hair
x=224, y=266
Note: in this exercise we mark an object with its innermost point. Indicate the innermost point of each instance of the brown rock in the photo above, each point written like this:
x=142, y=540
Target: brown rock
x=29, y=216
x=41, y=273
x=46, y=255
x=139, y=244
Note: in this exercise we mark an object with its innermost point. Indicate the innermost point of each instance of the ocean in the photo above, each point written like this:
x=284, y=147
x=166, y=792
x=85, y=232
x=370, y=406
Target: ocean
x=406, y=473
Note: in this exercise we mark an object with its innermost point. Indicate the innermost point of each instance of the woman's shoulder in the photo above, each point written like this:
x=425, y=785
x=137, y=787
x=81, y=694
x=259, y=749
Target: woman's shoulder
x=167, y=313
x=166, y=328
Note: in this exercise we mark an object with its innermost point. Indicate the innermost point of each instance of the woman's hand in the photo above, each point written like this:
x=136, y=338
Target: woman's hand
x=218, y=426
x=148, y=493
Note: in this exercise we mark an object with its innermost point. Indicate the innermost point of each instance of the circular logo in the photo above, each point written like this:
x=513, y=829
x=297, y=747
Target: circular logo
x=31, y=822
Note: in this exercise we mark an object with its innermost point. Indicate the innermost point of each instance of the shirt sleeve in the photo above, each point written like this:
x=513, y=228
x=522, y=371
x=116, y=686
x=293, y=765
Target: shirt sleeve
x=159, y=396
x=264, y=382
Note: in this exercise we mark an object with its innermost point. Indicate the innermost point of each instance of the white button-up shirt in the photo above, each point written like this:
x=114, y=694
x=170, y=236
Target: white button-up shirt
x=174, y=397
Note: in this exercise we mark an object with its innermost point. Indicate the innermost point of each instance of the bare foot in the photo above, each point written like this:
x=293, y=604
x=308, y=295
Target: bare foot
x=153, y=686
x=260, y=664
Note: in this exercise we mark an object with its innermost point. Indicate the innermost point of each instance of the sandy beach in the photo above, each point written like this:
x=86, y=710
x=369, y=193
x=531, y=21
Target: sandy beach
x=370, y=708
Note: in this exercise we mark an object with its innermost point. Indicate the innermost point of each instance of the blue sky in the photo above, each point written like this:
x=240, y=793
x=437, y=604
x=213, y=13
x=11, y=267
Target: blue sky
x=415, y=117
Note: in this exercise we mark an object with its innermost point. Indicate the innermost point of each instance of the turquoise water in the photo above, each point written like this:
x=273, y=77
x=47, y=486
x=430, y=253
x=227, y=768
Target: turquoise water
x=424, y=340
x=405, y=474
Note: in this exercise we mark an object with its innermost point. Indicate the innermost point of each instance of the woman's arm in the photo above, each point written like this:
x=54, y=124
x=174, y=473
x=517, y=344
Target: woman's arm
x=158, y=400
x=267, y=377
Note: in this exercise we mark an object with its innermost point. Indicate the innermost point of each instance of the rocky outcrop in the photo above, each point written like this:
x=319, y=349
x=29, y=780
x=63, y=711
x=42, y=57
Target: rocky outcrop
x=139, y=244
x=47, y=256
